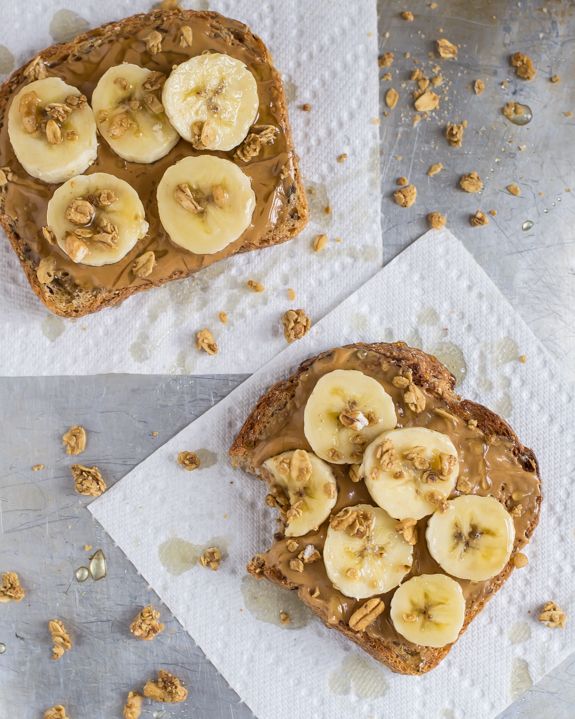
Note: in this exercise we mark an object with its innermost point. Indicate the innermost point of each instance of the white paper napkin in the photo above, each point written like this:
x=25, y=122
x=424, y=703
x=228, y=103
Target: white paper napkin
x=435, y=296
x=327, y=52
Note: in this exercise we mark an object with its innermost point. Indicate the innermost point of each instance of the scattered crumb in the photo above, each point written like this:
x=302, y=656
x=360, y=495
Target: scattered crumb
x=205, y=341
x=454, y=134
x=154, y=434
x=386, y=76
x=88, y=480
x=523, y=64
x=555, y=79
x=437, y=80
x=146, y=624
x=223, y=317
x=319, y=242
x=436, y=220
x=56, y=712
x=342, y=157
x=188, y=460
x=284, y=617
x=493, y=213
x=512, y=109
x=87, y=547
x=407, y=15
x=402, y=181
x=522, y=359
x=60, y=638
x=166, y=688
x=445, y=49
x=552, y=615
x=416, y=120
x=416, y=74
x=133, y=706
x=38, y=467
x=291, y=293
x=433, y=6
x=391, y=98
x=520, y=560
x=75, y=440
x=296, y=324
x=471, y=182
x=478, y=87
x=11, y=590
x=478, y=219
x=255, y=286
x=406, y=196
x=306, y=107
x=568, y=113
x=385, y=60
x=435, y=169
x=211, y=558
x=427, y=102
x=375, y=121
x=327, y=210
x=514, y=189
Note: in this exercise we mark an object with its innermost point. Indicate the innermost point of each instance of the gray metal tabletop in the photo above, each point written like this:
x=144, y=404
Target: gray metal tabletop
x=44, y=525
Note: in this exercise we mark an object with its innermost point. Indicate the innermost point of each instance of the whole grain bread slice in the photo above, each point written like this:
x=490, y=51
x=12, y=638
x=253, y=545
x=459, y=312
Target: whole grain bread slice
x=433, y=377
x=63, y=296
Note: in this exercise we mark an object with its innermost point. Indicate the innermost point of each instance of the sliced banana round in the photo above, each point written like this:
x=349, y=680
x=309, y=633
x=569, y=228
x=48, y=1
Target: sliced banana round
x=410, y=472
x=344, y=412
x=96, y=219
x=205, y=203
x=365, y=552
x=473, y=538
x=428, y=610
x=52, y=130
x=303, y=487
x=211, y=100
x=130, y=115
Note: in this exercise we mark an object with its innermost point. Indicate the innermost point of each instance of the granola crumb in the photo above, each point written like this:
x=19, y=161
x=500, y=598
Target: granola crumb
x=478, y=219
x=427, y=102
x=478, y=87
x=291, y=293
x=11, y=590
x=493, y=213
x=133, y=706
x=205, y=341
x=296, y=324
x=255, y=286
x=445, y=49
x=56, y=712
x=435, y=169
x=391, y=98
x=38, y=467
x=319, y=242
x=385, y=60
x=342, y=157
x=406, y=196
x=523, y=64
x=454, y=134
x=60, y=638
x=146, y=624
x=284, y=617
x=75, y=440
x=522, y=359
x=513, y=189
x=555, y=79
x=166, y=688
x=402, y=181
x=154, y=434
x=223, y=317
x=87, y=547
x=520, y=560
x=306, y=107
x=471, y=182
x=211, y=558
x=407, y=15
x=436, y=220
x=188, y=460
x=552, y=615
x=88, y=480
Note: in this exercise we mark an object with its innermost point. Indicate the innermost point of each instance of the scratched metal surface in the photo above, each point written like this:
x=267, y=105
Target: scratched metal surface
x=43, y=524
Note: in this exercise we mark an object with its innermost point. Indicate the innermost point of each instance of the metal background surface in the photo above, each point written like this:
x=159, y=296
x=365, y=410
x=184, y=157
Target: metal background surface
x=44, y=524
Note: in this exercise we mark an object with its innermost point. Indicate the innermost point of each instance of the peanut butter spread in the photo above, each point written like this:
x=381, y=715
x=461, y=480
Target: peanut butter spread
x=271, y=171
x=489, y=465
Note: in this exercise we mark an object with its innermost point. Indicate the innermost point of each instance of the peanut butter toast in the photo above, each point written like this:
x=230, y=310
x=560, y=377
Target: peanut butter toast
x=401, y=506
x=169, y=131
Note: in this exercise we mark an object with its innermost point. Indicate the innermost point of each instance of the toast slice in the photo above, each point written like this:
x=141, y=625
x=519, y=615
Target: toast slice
x=276, y=425
x=281, y=208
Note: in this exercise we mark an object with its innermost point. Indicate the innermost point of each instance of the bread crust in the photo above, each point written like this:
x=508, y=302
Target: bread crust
x=430, y=374
x=59, y=299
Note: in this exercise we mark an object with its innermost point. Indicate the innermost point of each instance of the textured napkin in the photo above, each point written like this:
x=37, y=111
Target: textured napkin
x=304, y=669
x=327, y=53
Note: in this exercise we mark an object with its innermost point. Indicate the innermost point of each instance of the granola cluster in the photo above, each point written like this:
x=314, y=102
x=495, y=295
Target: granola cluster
x=88, y=480
x=11, y=590
x=60, y=638
x=146, y=624
x=167, y=688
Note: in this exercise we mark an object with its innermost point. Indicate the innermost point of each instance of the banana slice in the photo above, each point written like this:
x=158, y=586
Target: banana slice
x=96, y=219
x=52, y=130
x=205, y=203
x=304, y=489
x=410, y=472
x=344, y=412
x=428, y=610
x=365, y=552
x=473, y=539
x=211, y=100
x=130, y=115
